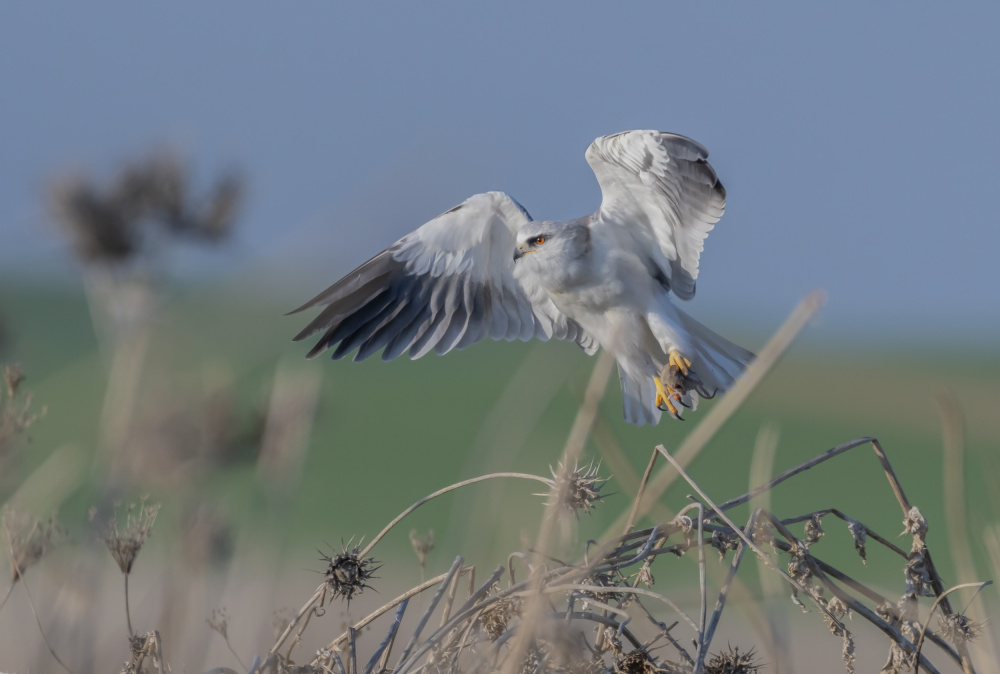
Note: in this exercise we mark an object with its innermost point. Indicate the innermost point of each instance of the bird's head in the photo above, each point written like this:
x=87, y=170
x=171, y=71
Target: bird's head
x=552, y=240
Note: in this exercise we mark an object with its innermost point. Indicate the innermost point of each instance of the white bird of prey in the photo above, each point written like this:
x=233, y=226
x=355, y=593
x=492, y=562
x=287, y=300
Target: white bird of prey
x=486, y=269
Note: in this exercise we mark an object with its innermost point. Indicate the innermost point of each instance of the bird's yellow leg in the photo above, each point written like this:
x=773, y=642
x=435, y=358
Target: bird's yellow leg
x=663, y=398
x=679, y=361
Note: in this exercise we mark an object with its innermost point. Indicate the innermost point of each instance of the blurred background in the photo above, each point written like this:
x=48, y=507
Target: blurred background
x=175, y=179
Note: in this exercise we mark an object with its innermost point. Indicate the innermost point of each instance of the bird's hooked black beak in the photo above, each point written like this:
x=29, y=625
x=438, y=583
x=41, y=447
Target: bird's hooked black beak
x=518, y=254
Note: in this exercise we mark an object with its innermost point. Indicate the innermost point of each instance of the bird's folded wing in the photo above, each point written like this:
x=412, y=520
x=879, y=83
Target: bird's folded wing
x=444, y=286
x=662, y=187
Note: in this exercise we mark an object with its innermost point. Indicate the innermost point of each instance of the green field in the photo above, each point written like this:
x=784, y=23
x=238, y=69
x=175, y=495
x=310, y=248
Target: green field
x=387, y=433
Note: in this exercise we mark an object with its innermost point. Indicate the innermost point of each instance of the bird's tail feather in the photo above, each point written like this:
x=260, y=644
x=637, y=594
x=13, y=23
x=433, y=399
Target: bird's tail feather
x=639, y=395
x=716, y=361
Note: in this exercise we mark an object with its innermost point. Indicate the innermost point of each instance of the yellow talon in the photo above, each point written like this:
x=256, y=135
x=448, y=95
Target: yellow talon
x=663, y=396
x=679, y=361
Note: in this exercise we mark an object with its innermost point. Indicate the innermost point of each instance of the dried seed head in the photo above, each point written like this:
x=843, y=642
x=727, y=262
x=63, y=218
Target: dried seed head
x=814, y=529
x=887, y=612
x=959, y=629
x=733, y=662
x=125, y=543
x=13, y=376
x=724, y=541
x=837, y=607
x=578, y=489
x=918, y=576
x=29, y=539
x=645, y=574
x=638, y=661
x=219, y=621
x=798, y=565
x=347, y=574
x=914, y=523
x=494, y=619
x=605, y=579
x=422, y=544
x=847, y=652
x=899, y=659
x=860, y=535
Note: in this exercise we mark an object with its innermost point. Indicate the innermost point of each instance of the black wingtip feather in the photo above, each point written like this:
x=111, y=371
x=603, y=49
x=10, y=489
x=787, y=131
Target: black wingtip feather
x=379, y=268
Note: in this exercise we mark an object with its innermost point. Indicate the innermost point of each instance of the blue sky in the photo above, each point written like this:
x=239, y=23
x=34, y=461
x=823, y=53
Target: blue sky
x=858, y=141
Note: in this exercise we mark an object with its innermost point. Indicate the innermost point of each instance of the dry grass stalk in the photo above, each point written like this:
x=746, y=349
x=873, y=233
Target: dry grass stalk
x=125, y=540
x=16, y=416
x=28, y=539
x=218, y=621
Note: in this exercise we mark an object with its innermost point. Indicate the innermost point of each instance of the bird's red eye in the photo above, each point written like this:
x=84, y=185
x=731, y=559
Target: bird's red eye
x=539, y=240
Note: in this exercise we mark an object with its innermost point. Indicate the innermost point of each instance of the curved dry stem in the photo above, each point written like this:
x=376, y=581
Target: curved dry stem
x=128, y=614
x=38, y=622
x=445, y=490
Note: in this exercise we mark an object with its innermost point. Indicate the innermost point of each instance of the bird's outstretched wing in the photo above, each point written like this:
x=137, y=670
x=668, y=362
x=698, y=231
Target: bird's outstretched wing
x=662, y=187
x=444, y=286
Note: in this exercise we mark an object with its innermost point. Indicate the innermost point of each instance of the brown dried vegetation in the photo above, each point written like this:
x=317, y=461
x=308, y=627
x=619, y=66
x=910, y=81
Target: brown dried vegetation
x=600, y=610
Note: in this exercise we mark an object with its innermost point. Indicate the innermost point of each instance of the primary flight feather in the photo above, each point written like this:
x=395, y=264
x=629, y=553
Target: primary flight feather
x=486, y=269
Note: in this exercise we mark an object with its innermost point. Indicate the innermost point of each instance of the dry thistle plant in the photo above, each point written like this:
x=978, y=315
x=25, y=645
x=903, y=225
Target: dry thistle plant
x=600, y=614
x=578, y=489
x=125, y=539
x=348, y=572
